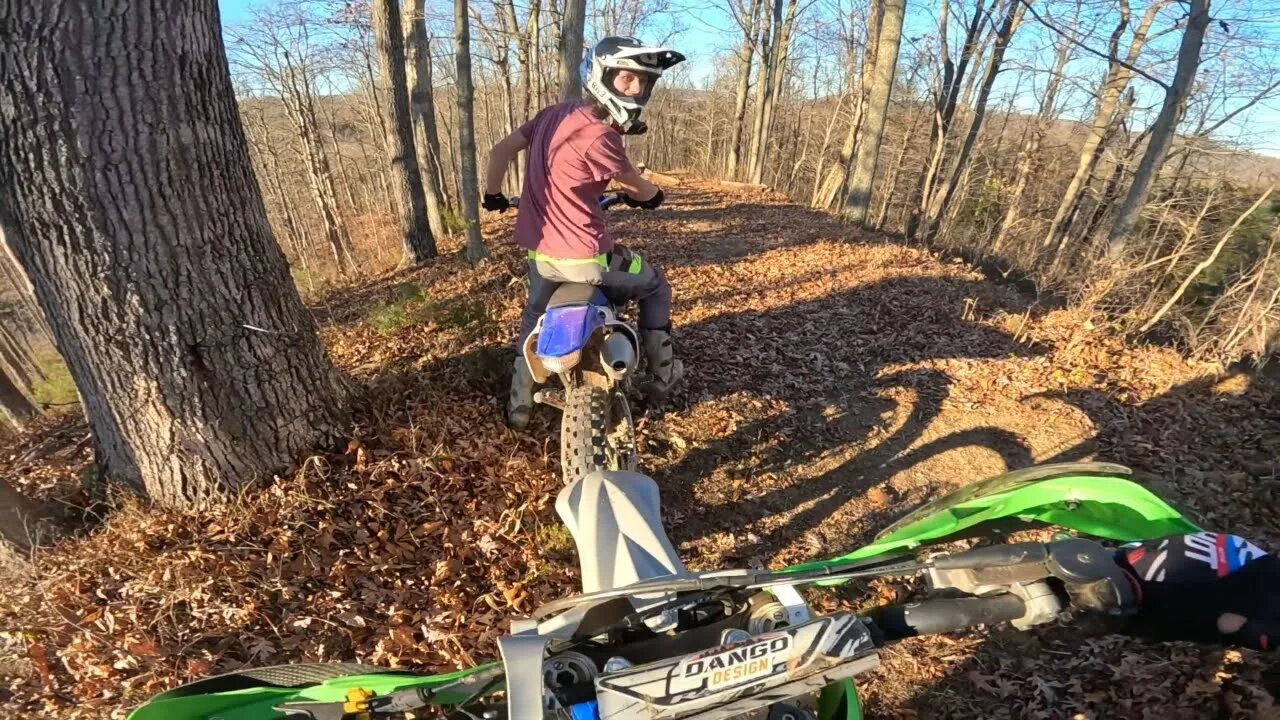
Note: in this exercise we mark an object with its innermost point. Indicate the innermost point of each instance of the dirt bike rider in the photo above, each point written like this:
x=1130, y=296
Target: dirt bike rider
x=1204, y=587
x=574, y=151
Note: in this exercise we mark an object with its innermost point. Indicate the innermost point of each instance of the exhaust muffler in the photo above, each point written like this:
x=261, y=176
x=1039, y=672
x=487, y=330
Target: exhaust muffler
x=618, y=354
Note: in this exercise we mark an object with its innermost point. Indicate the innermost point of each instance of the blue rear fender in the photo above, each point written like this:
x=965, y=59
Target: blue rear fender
x=566, y=330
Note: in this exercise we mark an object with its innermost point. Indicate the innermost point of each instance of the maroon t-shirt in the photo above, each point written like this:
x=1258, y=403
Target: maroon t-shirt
x=571, y=158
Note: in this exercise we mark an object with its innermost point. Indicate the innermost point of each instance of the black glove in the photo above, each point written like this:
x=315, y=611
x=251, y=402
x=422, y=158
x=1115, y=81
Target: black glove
x=1207, y=588
x=495, y=202
x=650, y=204
x=638, y=127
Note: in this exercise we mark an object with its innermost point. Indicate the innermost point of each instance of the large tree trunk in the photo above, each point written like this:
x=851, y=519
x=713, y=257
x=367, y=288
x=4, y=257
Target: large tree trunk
x=942, y=196
x=128, y=197
x=1162, y=130
x=469, y=188
x=571, y=31
x=406, y=178
x=877, y=109
x=417, y=52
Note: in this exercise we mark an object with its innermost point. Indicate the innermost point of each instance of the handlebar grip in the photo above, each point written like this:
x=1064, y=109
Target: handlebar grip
x=994, y=556
x=938, y=616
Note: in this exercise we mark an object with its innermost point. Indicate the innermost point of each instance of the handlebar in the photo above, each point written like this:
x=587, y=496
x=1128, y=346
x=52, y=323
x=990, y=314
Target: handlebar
x=931, y=617
x=606, y=201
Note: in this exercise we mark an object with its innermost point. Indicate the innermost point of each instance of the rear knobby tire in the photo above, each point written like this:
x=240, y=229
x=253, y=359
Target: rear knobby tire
x=595, y=432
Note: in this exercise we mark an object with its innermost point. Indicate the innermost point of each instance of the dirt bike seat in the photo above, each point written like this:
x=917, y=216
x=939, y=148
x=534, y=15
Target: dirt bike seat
x=568, y=294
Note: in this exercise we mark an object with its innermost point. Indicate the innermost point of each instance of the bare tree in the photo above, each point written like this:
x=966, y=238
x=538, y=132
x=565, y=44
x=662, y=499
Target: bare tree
x=1119, y=73
x=773, y=60
x=419, y=244
x=277, y=50
x=938, y=205
x=1162, y=130
x=198, y=366
x=1029, y=151
x=886, y=66
x=469, y=187
x=422, y=104
x=746, y=17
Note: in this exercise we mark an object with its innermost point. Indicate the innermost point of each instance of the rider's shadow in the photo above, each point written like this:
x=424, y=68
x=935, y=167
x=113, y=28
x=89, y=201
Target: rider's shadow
x=855, y=442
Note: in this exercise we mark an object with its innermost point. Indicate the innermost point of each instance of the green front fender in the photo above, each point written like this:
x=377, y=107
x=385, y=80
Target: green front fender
x=1095, y=499
x=839, y=701
x=190, y=702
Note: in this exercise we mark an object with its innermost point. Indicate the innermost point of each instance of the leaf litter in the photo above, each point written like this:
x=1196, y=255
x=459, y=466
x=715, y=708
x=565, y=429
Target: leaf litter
x=836, y=379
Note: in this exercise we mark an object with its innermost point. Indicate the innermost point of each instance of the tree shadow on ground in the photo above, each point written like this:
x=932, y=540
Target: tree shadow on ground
x=851, y=388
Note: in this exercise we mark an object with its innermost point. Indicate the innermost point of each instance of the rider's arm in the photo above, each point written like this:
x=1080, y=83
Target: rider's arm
x=500, y=158
x=636, y=186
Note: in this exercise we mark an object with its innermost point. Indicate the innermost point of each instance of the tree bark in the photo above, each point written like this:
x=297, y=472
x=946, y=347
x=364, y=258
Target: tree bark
x=764, y=86
x=23, y=522
x=15, y=406
x=127, y=194
x=406, y=178
x=571, y=31
x=534, y=68
x=469, y=187
x=877, y=110
x=1162, y=130
x=422, y=106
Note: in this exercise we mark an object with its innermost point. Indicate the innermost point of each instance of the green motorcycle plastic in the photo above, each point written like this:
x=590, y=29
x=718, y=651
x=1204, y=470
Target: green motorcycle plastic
x=1092, y=499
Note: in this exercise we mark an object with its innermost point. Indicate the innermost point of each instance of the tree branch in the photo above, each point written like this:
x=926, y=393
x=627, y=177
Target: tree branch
x=1080, y=44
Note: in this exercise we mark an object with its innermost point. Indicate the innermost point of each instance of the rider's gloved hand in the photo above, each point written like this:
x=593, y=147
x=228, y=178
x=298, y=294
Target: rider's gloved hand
x=495, y=202
x=650, y=204
x=638, y=127
x=1204, y=587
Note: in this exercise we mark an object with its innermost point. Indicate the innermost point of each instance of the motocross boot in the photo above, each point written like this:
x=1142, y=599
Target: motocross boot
x=665, y=370
x=520, y=402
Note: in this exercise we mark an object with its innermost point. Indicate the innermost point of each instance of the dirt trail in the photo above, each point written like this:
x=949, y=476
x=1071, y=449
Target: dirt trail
x=835, y=379
x=838, y=379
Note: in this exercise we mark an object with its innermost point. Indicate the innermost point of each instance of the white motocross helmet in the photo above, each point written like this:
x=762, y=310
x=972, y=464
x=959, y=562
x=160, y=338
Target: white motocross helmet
x=624, y=53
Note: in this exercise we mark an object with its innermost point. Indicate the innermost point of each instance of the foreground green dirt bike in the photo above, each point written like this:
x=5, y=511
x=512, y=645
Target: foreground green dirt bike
x=650, y=639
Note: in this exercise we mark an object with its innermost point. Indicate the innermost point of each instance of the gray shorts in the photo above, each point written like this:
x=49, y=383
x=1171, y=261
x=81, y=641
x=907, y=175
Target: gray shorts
x=622, y=274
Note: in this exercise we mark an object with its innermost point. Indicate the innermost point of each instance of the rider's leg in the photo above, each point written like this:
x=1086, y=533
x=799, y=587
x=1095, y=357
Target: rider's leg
x=635, y=277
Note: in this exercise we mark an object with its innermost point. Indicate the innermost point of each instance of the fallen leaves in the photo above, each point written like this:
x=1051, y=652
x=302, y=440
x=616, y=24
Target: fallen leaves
x=415, y=543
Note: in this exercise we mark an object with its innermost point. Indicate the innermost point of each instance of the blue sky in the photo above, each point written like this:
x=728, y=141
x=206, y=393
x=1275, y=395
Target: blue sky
x=704, y=31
